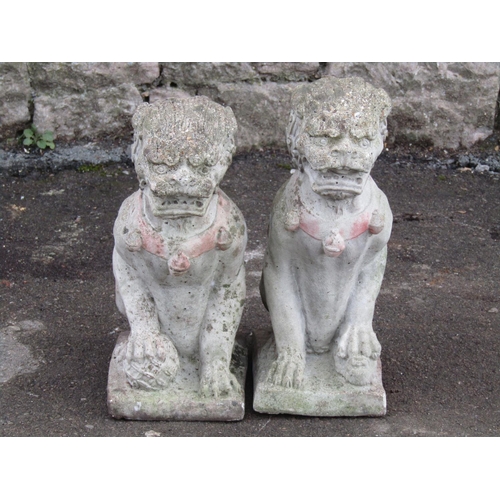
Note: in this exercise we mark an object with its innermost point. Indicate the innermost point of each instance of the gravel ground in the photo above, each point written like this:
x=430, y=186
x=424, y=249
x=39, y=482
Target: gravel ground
x=437, y=315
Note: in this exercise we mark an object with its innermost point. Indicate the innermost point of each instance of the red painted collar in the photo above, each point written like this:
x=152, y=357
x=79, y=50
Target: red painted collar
x=333, y=233
x=179, y=257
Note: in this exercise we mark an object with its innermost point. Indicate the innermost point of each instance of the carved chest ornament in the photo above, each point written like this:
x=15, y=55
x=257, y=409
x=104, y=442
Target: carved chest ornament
x=179, y=257
x=333, y=234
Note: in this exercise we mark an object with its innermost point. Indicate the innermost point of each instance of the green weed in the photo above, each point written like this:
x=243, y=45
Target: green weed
x=31, y=137
x=90, y=168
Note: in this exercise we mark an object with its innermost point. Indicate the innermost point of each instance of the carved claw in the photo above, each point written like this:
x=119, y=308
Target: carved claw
x=217, y=381
x=358, y=341
x=355, y=353
x=333, y=244
x=151, y=362
x=224, y=239
x=179, y=264
x=287, y=370
x=377, y=222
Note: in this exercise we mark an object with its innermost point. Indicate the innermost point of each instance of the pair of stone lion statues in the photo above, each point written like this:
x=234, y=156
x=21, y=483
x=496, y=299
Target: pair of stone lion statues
x=179, y=250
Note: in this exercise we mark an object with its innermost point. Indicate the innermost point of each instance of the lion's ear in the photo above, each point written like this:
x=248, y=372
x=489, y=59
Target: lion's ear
x=385, y=103
x=231, y=147
x=140, y=113
x=383, y=128
x=230, y=120
x=136, y=146
x=137, y=122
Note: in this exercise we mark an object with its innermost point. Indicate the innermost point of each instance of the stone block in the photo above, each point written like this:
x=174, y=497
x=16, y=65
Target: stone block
x=59, y=79
x=324, y=393
x=288, y=71
x=202, y=74
x=261, y=111
x=445, y=105
x=180, y=401
x=88, y=100
x=15, y=94
x=161, y=93
x=96, y=113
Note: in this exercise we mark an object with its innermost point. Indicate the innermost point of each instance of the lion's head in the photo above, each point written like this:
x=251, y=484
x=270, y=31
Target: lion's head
x=182, y=149
x=335, y=133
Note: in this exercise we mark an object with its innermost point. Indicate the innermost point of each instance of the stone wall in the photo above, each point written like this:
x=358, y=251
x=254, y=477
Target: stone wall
x=445, y=105
x=15, y=96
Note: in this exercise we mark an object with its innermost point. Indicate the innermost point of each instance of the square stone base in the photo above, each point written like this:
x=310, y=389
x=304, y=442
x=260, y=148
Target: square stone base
x=181, y=400
x=324, y=392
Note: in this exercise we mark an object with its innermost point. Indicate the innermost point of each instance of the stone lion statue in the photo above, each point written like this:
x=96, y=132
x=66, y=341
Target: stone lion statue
x=328, y=234
x=179, y=245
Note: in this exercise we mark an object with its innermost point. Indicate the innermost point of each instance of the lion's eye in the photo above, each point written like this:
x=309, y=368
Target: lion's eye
x=323, y=141
x=171, y=159
x=210, y=159
x=195, y=160
x=365, y=142
x=160, y=169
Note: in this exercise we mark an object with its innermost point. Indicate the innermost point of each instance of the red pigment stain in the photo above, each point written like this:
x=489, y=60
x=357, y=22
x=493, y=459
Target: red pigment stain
x=359, y=226
x=310, y=226
x=199, y=245
x=153, y=243
x=179, y=263
x=208, y=240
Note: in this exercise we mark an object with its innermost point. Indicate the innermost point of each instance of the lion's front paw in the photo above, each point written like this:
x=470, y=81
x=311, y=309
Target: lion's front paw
x=288, y=369
x=217, y=380
x=151, y=361
x=356, y=352
x=358, y=341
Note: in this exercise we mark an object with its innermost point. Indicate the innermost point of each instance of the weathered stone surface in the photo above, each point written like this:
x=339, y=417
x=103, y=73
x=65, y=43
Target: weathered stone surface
x=261, y=111
x=181, y=400
x=88, y=100
x=324, y=393
x=445, y=105
x=66, y=78
x=161, y=93
x=179, y=269
x=93, y=114
x=203, y=74
x=325, y=257
x=15, y=93
x=288, y=71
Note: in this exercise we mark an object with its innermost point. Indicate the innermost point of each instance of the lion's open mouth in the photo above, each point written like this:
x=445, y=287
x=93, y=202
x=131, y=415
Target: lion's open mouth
x=326, y=184
x=179, y=206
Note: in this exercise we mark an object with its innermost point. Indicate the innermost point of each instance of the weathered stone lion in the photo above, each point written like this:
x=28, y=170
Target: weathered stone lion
x=328, y=233
x=179, y=245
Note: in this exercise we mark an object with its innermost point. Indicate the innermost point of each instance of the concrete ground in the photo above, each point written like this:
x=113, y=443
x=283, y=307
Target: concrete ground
x=437, y=315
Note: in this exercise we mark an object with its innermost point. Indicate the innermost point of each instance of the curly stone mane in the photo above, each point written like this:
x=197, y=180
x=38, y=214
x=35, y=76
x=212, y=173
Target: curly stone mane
x=194, y=127
x=333, y=106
